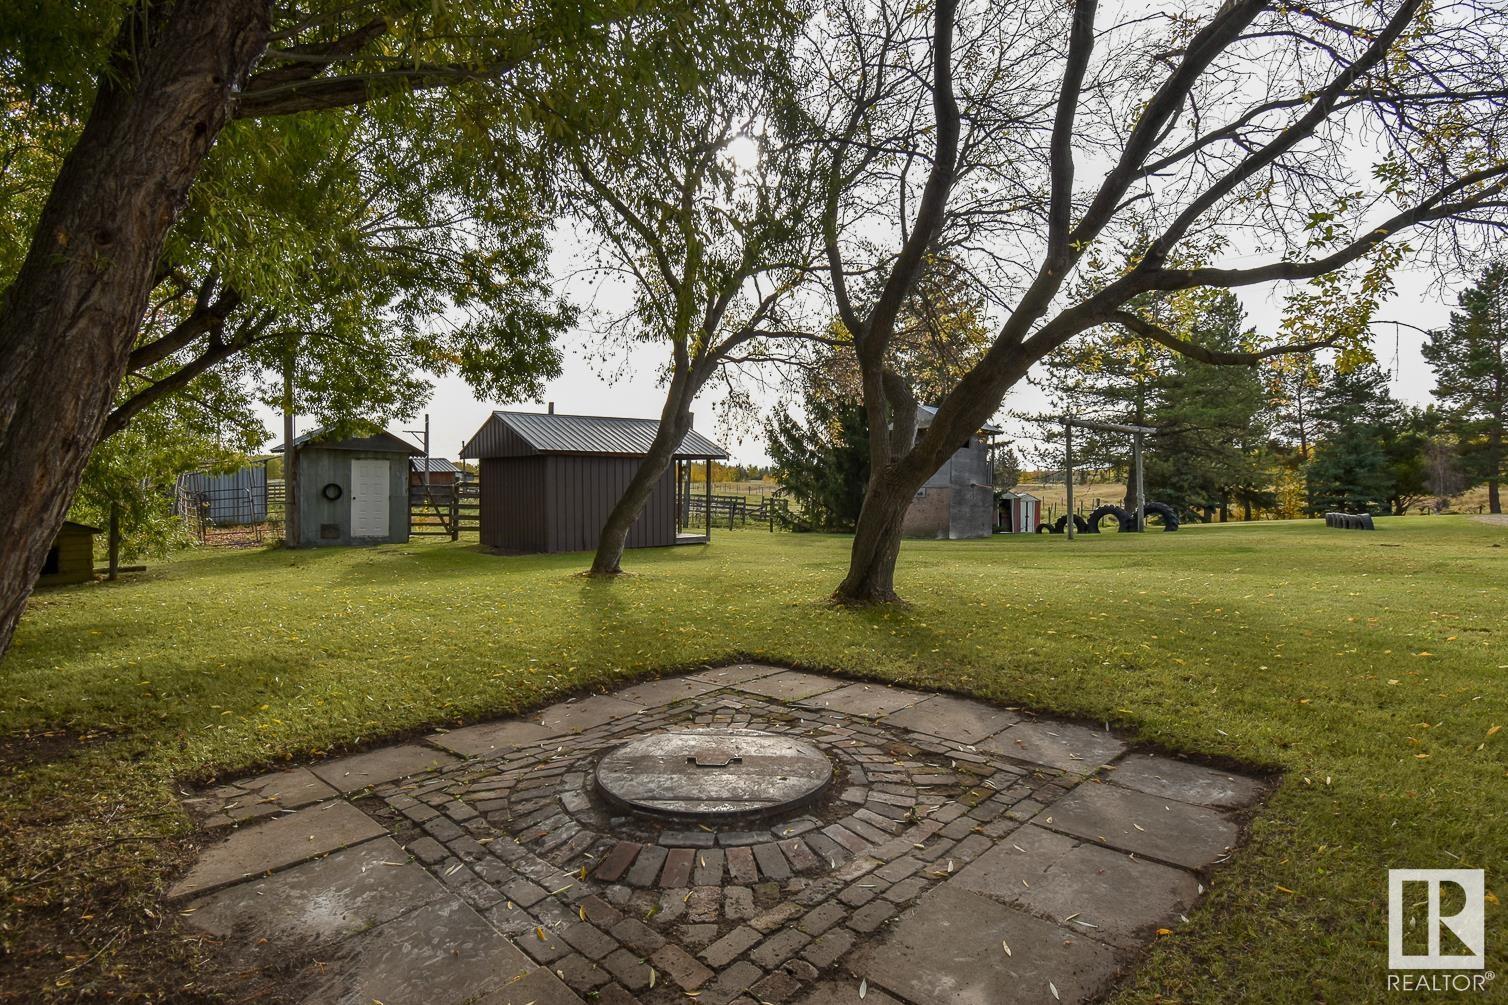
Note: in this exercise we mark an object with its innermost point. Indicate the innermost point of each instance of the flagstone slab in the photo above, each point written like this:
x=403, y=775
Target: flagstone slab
x=538, y=987
x=737, y=673
x=274, y=844
x=329, y=898
x=1163, y=829
x=491, y=737
x=953, y=718
x=1081, y=884
x=1015, y=863
x=585, y=713
x=1060, y=745
x=1189, y=783
x=847, y=993
x=385, y=764
x=869, y=700
x=1124, y=898
x=665, y=691
x=289, y=789
x=949, y=950
x=791, y=685
x=440, y=954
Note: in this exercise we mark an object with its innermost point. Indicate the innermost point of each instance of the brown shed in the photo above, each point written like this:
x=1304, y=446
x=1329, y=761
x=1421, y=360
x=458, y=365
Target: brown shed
x=549, y=481
x=71, y=557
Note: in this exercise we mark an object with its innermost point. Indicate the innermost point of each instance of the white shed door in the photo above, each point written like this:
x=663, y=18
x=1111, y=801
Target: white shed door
x=369, y=498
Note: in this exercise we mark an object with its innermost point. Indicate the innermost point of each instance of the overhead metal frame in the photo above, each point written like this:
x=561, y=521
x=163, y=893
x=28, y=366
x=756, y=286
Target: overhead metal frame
x=1139, y=487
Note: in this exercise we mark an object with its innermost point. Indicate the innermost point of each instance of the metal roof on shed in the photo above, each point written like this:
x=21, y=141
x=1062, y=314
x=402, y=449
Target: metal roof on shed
x=926, y=413
x=436, y=465
x=515, y=434
x=376, y=440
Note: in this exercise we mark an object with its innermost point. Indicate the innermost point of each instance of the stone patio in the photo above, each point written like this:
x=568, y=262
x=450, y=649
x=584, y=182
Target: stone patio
x=964, y=854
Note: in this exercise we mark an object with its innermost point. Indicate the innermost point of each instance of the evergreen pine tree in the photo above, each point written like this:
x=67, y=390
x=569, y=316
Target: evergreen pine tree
x=823, y=464
x=1470, y=360
x=1369, y=454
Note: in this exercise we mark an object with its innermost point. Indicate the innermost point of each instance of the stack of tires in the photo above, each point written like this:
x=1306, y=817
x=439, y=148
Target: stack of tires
x=1350, y=521
x=1124, y=519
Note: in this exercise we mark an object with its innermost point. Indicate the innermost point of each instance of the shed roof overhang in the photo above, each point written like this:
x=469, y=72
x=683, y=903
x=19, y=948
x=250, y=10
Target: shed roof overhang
x=529, y=434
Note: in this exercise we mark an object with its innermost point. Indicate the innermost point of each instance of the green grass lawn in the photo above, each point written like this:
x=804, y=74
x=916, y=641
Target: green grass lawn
x=1371, y=668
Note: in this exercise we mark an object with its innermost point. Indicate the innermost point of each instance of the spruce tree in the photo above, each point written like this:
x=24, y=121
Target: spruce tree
x=823, y=464
x=1369, y=455
x=1470, y=360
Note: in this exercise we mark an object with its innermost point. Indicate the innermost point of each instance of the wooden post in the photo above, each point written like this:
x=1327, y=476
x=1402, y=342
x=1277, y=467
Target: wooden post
x=455, y=512
x=1068, y=527
x=707, y=496
x=1140, y=483
x=114, y=542
x=290, y=457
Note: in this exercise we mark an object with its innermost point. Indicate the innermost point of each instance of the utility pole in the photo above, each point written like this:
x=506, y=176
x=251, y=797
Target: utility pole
x=1068, y=528
x=424, y=442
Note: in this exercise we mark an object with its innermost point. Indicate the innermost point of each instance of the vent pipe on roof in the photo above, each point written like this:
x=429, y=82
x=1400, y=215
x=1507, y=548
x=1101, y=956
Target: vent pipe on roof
x=552, y=408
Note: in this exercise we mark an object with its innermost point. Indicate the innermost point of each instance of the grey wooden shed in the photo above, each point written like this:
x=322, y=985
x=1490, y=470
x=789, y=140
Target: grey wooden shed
x=958, y=501
x=353, y=489
x=548, y=482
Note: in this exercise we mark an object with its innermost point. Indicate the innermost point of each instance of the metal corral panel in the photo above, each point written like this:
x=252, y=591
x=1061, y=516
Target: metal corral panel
x=523, y=434
x=238, y=497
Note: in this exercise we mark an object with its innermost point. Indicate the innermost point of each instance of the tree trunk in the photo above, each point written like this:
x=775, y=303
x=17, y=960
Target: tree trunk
x=675, y=422
x=292, y=526
x=113, y=543
x=1495, y=465
x=877, y=542
x=68, y=320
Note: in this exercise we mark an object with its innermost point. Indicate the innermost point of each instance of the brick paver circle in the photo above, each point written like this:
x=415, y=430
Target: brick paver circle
x=716, y=774
x=489, y=864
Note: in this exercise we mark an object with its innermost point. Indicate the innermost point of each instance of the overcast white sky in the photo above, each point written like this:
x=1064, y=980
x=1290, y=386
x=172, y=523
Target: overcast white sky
x=633, y=389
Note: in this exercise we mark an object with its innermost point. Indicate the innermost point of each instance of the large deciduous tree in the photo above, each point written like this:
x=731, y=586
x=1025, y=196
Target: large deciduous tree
x=703, y=209
x=1470, y=360
x=119, y=114
x=1087, y=166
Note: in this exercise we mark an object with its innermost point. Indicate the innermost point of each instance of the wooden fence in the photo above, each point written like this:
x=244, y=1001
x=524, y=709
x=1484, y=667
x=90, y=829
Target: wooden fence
x=443, y=510
x=735, y=511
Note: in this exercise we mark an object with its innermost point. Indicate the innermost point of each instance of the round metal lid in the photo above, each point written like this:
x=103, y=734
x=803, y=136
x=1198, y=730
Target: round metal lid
x=713, y=773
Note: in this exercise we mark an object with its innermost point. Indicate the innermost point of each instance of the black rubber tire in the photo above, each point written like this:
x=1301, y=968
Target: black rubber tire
x=1122, y=518
x=1169, y=516
x=1079, y=524
x=1043, y=528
